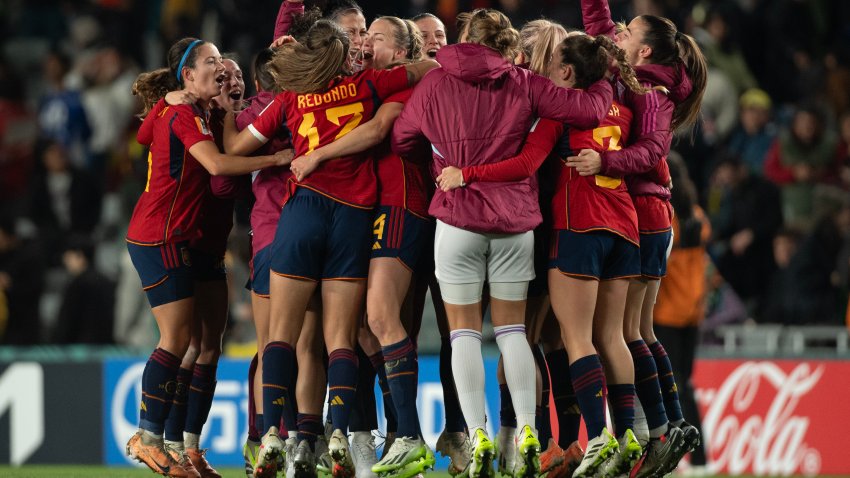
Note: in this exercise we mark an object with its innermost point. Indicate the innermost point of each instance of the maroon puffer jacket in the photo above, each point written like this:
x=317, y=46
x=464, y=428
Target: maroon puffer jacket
x=477, y=109
x=651, y=135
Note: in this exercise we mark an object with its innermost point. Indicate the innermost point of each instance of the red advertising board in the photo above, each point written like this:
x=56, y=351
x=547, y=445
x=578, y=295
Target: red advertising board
x=775, y=417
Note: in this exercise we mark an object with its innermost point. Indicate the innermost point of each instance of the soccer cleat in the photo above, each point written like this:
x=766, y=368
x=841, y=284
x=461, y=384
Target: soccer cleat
x=343, y=466
x=527, y=457
x=552, y=460
x=483, y=450
x=572, y=458
x=323, y=457
x=364, y=454
x=406, y=458
x=599, y=449
x=249, y=452
x=660, y=453
x=621, y=463
x=691, y=436
x=176, y=450
x=156, y=458
x=388, y=443
x=455, y=445
x=198, y=459
x=303, y=461
x=271, y=454
x=506, y=450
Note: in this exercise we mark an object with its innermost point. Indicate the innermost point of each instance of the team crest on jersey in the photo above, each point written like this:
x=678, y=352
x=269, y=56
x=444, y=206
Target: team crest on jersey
x=202, y=125
x=186, y=256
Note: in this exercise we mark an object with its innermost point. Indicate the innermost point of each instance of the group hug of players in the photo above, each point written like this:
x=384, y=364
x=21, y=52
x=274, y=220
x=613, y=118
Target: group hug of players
x=382, y=163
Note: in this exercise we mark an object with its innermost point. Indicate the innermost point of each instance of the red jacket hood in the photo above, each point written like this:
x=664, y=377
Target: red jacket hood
x=473, y=63
x=674, y=78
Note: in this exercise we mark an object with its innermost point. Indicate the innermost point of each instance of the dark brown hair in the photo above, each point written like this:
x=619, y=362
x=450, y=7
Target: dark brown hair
x=309, y=67
x=590, y=57
x=671, y=47
x=152, y=86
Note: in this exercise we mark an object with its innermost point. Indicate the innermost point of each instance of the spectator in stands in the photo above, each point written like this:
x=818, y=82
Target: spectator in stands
x=721, y=48
x=755, y=133
x=17, y=133
x=800, y=159
x=87, y=311
x=63, y=200
x=780, y=298
x=805, y=292
x=747, y=216
x=21, y=282
x=61, y=116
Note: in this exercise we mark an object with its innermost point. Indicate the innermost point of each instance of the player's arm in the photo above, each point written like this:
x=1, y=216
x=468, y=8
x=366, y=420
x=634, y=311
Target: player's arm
x=217, y=163
x=241, y=142
x=415, y=71
x=536, y=149
x=360, y=139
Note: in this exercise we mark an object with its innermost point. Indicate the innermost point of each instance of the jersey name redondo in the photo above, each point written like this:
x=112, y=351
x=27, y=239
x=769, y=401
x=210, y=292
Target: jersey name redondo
x=318, y=119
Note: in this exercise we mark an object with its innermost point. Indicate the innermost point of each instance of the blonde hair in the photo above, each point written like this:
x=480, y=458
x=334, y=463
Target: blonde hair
x=406, y=35
x=310, y=66
x=493, y=29
x=538, y=40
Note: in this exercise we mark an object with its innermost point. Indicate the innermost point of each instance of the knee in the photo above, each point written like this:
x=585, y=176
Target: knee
x=210, y=354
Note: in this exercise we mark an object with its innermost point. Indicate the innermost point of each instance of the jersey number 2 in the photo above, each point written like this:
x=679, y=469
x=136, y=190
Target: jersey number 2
x=308, y=124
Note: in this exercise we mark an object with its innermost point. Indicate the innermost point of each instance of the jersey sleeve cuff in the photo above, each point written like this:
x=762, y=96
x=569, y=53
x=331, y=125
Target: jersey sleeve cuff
x=257, y=134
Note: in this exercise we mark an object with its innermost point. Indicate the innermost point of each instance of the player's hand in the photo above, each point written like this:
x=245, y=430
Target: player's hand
x=302, y=166
x=284, y=157
x=282, y=40
x=587, y=163
x=180, y=97
x=450, y=178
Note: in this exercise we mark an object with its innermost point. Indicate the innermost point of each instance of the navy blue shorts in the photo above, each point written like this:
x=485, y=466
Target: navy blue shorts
x=165, y=271
x=207, y=267
x=399, y=234
x=653, y=254
x=594, y=255
x=318, y=238
x=259, y=282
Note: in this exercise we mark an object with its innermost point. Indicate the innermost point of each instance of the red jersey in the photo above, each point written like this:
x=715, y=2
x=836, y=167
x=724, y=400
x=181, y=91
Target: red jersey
x=317, y=119
x=216, y=219
x=594, y=203
x=400, y=182
x=169, y=207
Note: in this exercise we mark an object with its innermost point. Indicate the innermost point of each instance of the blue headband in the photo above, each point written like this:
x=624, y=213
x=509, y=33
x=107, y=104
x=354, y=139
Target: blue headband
x=183, y=60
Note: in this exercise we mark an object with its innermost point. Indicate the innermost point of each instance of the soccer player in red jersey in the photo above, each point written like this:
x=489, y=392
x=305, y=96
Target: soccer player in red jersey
x=182, y=156
x=672, y=65
x=433, y=34
x=400, y=229
x=324, y=232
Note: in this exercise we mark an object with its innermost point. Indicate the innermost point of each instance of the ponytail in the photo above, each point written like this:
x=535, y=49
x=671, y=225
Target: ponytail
x=671, y=47
x=627, y=73
x=152, y=86
x=310, y=66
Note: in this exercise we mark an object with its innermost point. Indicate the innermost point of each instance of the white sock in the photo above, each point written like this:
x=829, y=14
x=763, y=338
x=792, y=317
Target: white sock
x=192, y=440
x=468, y=371
x=641, y=427
x=151, y=438
x=520, y=372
